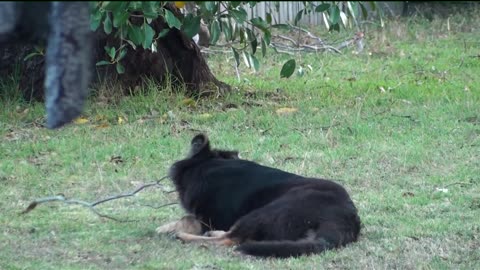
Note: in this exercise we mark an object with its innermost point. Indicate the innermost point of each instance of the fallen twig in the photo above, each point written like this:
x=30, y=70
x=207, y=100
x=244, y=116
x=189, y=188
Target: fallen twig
x=91, y=205
x=289, y=39
x=457, y=183
x=160, y=206
x=130, y=194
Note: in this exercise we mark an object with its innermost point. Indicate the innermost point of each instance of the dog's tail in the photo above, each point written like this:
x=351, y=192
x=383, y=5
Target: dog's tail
x=284, y=249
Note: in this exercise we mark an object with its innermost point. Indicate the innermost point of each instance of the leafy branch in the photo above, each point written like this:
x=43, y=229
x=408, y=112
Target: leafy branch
x=227, y=21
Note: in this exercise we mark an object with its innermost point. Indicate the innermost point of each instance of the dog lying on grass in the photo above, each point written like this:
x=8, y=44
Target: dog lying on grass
x=263, y=211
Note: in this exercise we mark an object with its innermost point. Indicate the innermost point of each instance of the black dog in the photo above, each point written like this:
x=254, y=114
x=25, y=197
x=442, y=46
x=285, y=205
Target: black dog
x=265, y=211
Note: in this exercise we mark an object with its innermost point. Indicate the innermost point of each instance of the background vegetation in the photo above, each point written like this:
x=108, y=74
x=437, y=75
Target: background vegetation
x=398, y=125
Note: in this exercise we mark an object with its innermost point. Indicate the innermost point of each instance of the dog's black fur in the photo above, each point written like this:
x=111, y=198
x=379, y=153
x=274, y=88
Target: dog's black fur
x=268, y=212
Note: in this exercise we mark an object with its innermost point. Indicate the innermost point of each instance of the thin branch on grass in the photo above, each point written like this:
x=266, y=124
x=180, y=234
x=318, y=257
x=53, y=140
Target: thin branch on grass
x=285, y=52
x=130, y=194
x=91, y=205
x=159, y=206
x=302, y=48
x=309, y=34
x=457, y=183
x=289, y=39
x=319, y=44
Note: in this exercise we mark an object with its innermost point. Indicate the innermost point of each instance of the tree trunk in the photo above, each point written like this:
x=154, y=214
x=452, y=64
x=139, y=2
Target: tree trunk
x=177, y=57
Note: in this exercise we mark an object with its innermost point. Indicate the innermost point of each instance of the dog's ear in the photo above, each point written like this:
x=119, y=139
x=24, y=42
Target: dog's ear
x=199, y=145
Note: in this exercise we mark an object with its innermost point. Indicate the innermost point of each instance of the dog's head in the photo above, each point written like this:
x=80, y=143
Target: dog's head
x=200, y=148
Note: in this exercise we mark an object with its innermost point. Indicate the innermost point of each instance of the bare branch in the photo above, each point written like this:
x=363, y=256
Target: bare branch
x=321, y=48
x=309, y=34
x=160, y=206
x=282, y=48
x=457, y=183
x=127, y=194
x=91, y=205
x=289, y=39
x=285, y=52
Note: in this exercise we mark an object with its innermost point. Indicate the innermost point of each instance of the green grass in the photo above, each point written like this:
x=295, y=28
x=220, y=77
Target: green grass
x=409, y=156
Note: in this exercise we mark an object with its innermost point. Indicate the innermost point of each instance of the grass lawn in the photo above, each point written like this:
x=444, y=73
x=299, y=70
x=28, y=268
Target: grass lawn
x=398, y=126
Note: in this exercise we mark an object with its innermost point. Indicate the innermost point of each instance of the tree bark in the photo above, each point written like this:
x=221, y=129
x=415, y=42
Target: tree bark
x=177, y=58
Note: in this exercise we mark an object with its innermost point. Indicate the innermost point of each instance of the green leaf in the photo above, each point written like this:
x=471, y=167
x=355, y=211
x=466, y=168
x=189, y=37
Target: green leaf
x=298, y=17
x=120, y=18
x=288, y=69
x=281, y=26
x=227, y=29
x=380, y=16
x=352, y=9
x=172, y=21
x=163, y=33
x=269, y=18
x=260, y=23
x=267, y=36
x=364, y=10
x=131, y=44
x=214, y=32
x=148, y=36
x=334, y=15
x=264, y=47
x=211, y=6
x=107, y=25
x=343, y=18
x=95, y=20
x=242, y=34
x=135, y=34
x=122, y=54
x=30, y=55
x=254, y=62
x=235, y=4
x=112, y=52
x=150, y=15
x=322, y=7
x=135, y=5
x=237, y=56
x=149, y=9
x=254, y=44
x=250, y=35
x=191, y=25
x=113, y=5
x=246, y=59
x=239, y=15
x=120, y=68
x=102, y=63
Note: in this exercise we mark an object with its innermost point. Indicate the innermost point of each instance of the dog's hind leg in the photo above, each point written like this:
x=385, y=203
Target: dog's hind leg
x=167, y=228
x=214, y=233
x=187, y=224
x=221, y=239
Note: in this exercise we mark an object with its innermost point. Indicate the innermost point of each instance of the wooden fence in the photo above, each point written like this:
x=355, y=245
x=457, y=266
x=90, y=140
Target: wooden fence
x=285, y=13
